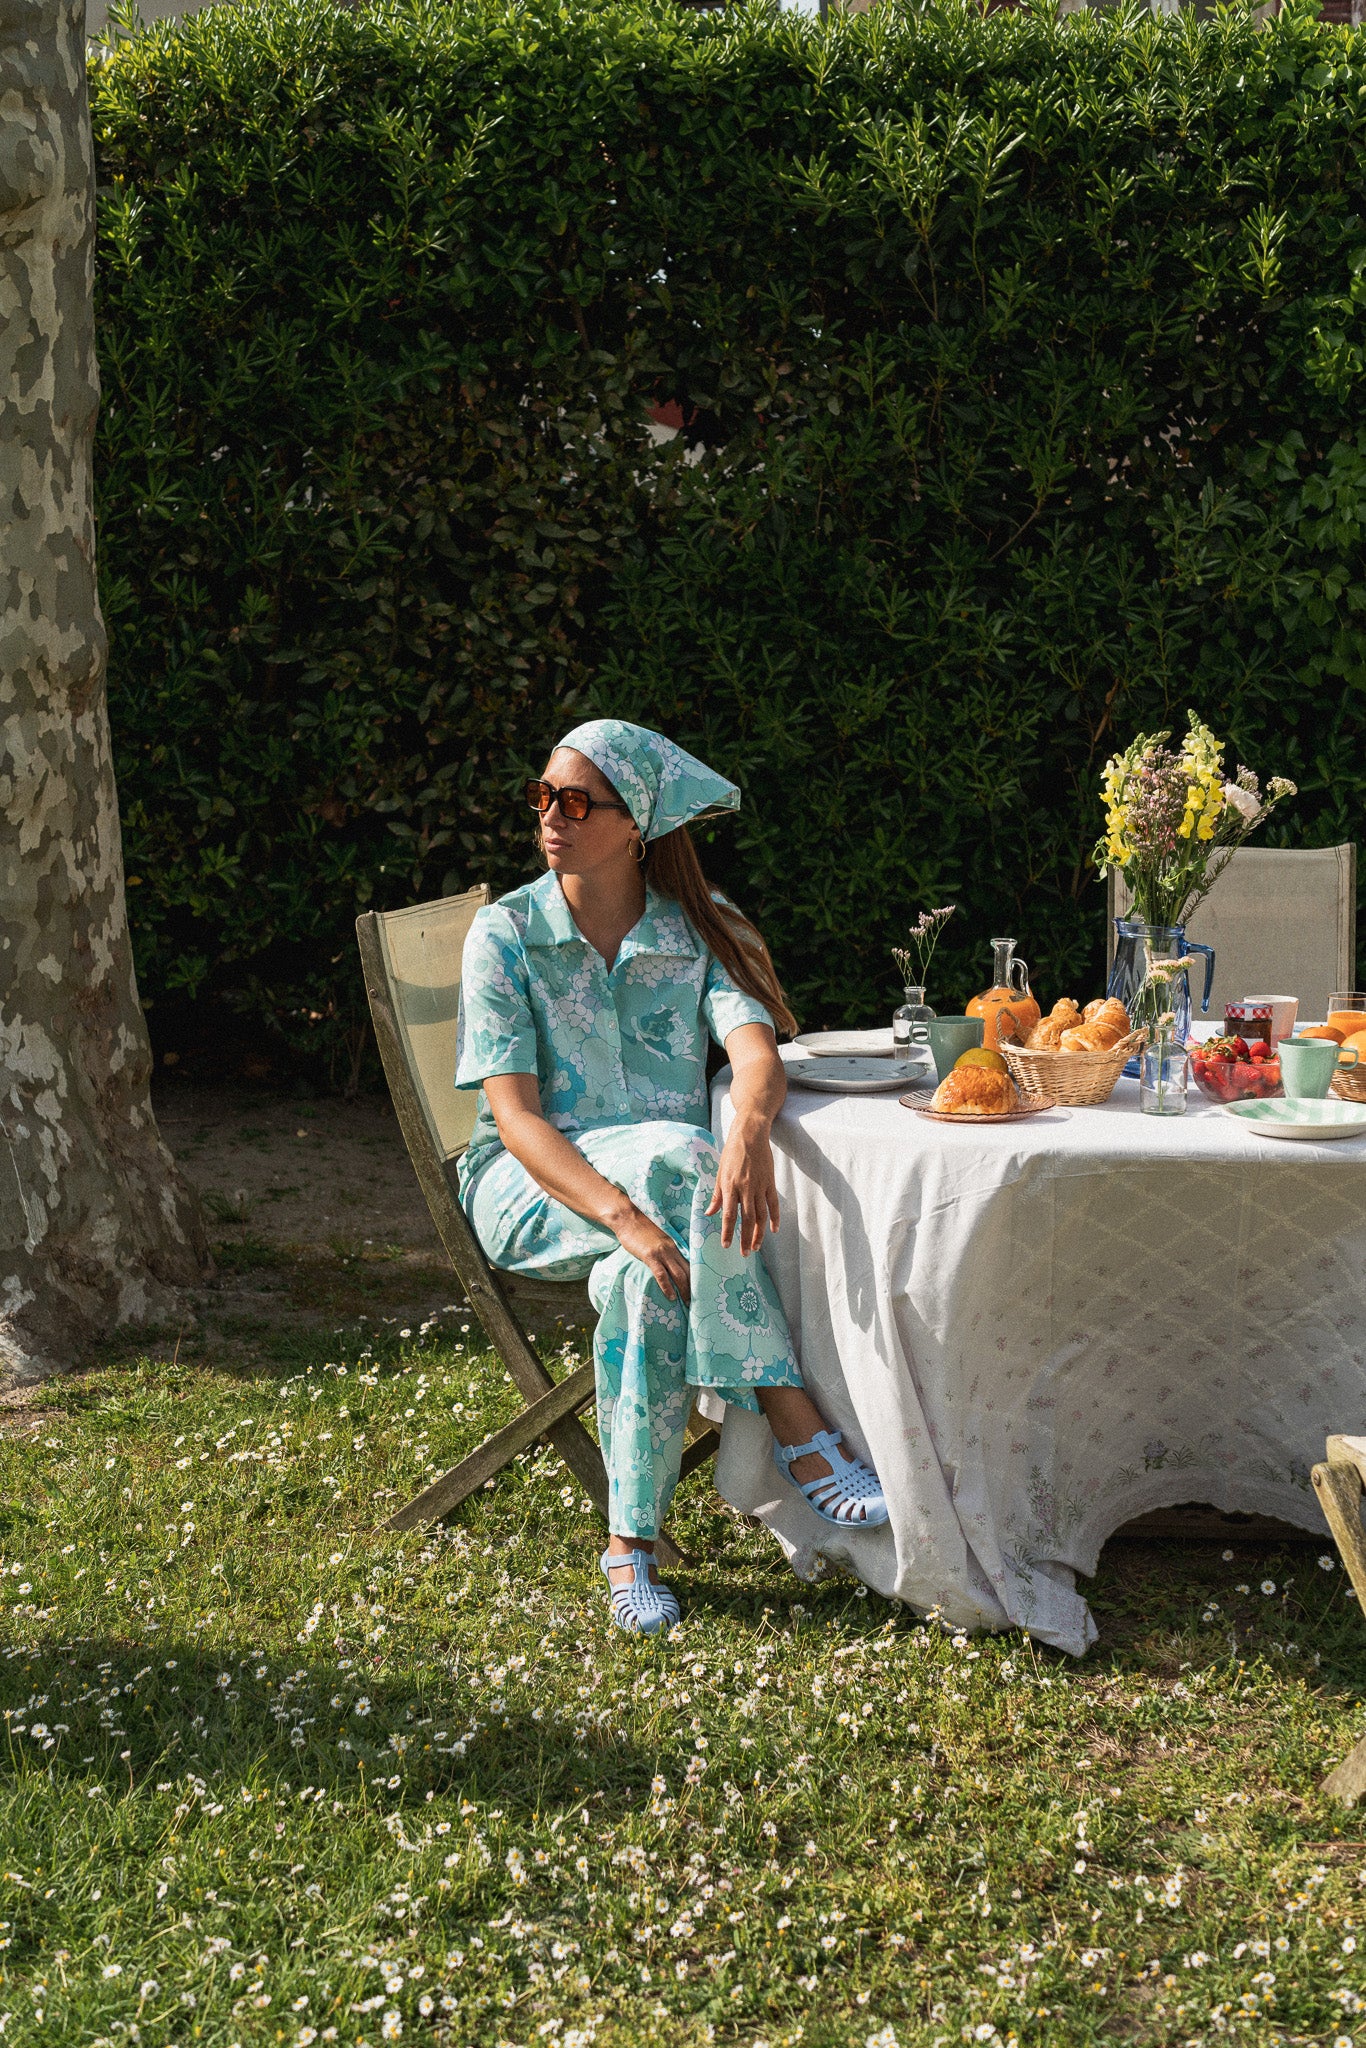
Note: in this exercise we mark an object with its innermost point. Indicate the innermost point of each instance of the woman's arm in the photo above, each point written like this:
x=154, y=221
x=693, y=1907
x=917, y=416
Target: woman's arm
x=745, y=1180
x=561, y=1169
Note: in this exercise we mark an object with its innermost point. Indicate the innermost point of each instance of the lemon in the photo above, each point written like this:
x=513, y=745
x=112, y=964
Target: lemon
x=982, y=1056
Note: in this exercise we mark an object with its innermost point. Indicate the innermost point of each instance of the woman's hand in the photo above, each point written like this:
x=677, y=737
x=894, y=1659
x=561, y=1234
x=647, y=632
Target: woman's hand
x=744, y=1182
x=744, y=1179
x=561, y=1169
x=655, y=1248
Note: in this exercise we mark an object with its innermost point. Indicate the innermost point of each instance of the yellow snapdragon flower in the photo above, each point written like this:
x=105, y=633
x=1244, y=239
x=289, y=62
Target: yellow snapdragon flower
x=1113, y=789
x=1202, y=758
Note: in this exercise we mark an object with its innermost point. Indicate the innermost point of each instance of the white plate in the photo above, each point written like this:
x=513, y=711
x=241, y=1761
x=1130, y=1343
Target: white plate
x=851, y=1077
x=1301, y=1117
x=868, y=1045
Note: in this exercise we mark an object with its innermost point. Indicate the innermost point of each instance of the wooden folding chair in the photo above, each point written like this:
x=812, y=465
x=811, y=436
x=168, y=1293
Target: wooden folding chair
x=1339, y=1483
x=411, y=960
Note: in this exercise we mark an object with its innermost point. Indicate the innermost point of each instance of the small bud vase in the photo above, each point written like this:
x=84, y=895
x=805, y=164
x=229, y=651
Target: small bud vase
x=915, y=1011
x=1163, y=1078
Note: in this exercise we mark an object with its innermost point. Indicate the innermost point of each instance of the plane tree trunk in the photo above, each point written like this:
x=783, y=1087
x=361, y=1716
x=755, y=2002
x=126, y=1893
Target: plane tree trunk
x=96, y=1226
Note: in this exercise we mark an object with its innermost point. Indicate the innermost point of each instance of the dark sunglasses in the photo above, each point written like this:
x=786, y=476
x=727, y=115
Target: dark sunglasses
x=575, y=804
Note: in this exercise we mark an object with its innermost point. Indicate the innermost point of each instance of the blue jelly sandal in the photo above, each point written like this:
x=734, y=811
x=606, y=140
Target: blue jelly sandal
x=850, y=1495
x=642, y=1607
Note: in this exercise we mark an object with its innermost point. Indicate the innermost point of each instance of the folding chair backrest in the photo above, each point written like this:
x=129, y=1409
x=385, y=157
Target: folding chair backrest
x=421, y=948
x=1281, y=922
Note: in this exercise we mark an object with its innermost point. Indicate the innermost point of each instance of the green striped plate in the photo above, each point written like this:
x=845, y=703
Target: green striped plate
x=1301, y=1117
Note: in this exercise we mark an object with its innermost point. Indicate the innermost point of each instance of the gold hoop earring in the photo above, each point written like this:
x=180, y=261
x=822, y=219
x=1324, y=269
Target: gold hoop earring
x=639, y=858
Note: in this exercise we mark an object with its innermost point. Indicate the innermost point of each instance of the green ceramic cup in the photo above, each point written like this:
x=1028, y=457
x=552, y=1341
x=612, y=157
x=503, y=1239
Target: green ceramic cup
x=1309, y=1064
x=949, y=1038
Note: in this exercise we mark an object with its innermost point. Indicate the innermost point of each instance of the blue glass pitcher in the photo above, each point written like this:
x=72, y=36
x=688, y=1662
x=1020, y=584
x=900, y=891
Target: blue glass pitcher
x=1136, y=944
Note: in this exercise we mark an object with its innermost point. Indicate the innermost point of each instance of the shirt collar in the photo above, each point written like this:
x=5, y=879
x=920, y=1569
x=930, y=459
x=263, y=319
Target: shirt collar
x=548, y=922
x=663, y=929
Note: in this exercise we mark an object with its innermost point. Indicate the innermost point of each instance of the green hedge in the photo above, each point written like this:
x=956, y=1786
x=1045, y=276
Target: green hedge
x=1022, y=363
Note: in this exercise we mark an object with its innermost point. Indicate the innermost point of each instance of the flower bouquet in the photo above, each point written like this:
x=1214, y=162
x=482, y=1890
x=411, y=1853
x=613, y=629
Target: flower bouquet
x=1173, y=821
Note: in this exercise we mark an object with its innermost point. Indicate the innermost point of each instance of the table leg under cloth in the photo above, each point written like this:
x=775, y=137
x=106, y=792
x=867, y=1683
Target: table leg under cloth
x=1039, y=1331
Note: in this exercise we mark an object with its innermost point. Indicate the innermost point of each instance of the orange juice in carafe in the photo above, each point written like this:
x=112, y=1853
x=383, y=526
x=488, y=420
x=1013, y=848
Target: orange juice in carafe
x=1009, y=991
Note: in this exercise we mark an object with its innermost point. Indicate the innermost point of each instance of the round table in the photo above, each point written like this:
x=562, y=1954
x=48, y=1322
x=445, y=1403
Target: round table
x=1040, y=1330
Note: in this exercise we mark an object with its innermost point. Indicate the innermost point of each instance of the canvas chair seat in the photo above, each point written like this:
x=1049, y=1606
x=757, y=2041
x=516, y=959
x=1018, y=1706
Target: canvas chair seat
x=411, y=960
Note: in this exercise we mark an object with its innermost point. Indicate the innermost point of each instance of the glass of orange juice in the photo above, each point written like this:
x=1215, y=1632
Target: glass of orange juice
x=1347, y=1012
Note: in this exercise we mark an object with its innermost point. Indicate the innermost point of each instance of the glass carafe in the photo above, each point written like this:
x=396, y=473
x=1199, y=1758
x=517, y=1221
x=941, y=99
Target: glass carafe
x=1009, y=991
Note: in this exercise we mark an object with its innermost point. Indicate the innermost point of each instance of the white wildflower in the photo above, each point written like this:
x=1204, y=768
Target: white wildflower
x=1243, y=802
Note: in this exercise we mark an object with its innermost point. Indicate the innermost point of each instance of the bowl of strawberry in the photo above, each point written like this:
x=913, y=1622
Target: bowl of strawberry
x=1232, y=1070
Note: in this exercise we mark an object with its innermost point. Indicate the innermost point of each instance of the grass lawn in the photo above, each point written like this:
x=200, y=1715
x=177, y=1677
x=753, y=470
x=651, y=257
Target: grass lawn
x=271, y=1777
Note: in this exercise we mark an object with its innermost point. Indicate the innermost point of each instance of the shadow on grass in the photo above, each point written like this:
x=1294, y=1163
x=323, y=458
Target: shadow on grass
x=1165, y=1607
x=135, y=1721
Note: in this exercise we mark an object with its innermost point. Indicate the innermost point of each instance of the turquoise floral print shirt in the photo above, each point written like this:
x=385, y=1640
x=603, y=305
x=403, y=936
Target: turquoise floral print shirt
x=625, y=1047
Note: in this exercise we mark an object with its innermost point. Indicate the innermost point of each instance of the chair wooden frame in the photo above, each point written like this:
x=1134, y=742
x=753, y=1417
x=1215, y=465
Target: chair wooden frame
x=1339, y=1483
x=435, y=1133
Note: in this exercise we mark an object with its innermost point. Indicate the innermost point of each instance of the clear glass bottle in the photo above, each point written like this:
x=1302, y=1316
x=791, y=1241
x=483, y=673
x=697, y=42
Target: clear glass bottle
x=915, y=1010
x=1009, y=990
x=1163, y=1078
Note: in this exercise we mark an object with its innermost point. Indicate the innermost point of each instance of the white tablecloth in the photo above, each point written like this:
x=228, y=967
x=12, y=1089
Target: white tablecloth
x=1037, y=1332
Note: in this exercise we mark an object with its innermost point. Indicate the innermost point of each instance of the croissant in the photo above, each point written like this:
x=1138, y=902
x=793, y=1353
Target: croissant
x=1108, y=1009
x=1046, y=1033
x=975, y=1091
x=1088, y=1038
x=1113, y=1015
x=1106, y=1023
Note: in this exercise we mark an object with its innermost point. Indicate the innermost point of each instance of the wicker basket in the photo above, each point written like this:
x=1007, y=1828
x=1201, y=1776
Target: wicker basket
x=1349, y=1083
x=1078, y=1079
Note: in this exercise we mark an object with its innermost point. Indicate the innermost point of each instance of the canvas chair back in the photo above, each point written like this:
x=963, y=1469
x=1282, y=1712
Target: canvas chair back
x=421, y=948
x=1281, y=922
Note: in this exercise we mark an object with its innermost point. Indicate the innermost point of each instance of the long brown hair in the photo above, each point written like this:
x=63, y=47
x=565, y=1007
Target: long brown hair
x=672, y=865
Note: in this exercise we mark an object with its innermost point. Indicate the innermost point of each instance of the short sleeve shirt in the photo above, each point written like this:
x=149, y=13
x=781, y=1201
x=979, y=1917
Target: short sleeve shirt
x=621, y=1046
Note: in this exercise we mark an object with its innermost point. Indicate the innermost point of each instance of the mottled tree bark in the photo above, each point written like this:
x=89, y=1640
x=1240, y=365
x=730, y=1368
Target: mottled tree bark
x=96, y=1228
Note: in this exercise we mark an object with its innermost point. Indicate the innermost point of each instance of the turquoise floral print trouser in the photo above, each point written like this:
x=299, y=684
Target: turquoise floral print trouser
x=648, y=1351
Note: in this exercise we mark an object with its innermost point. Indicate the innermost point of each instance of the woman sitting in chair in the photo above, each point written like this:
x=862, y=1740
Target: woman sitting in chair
x=586, y=999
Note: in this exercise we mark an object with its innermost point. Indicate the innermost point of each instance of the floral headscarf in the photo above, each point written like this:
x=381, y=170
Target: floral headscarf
x=660, y=785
